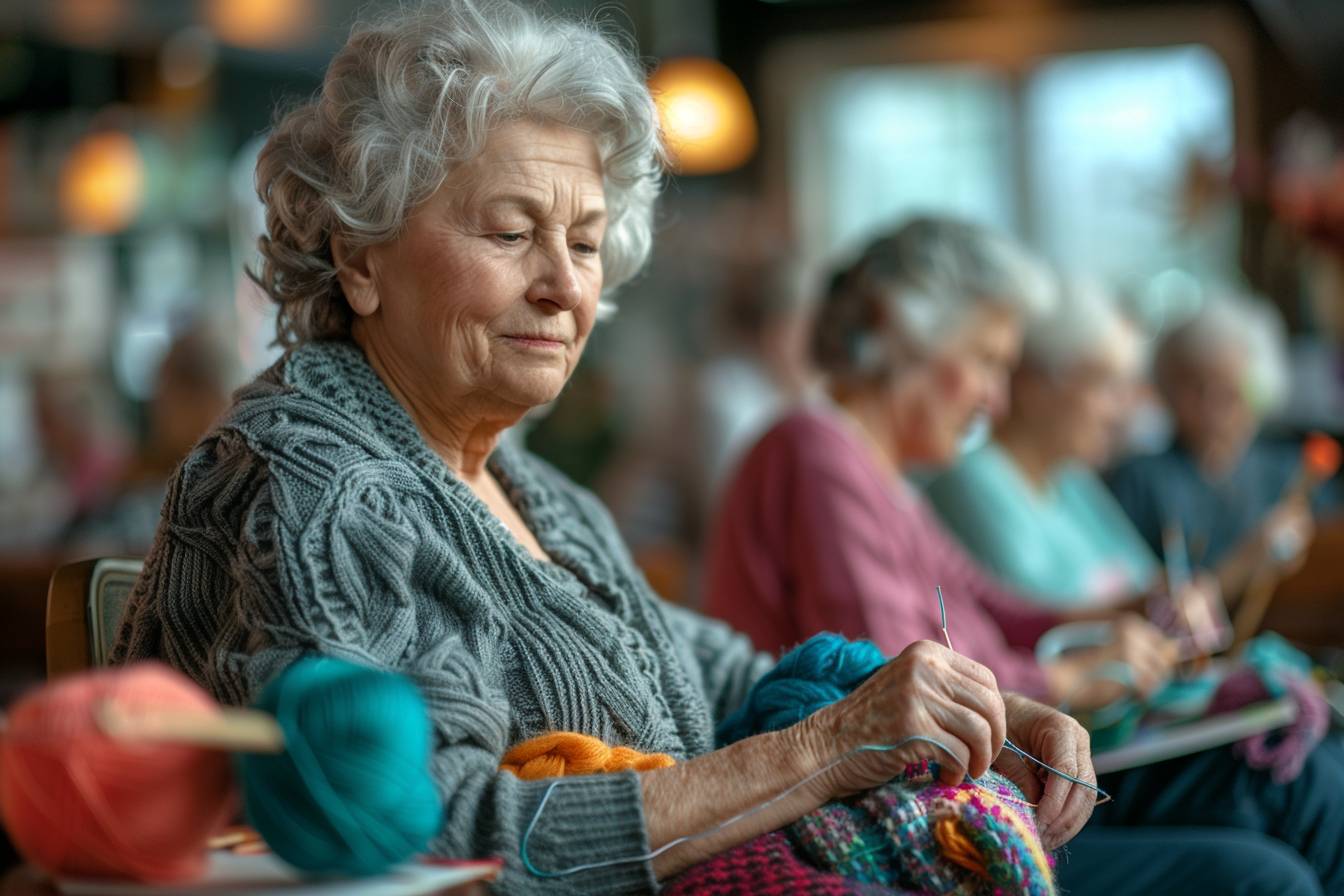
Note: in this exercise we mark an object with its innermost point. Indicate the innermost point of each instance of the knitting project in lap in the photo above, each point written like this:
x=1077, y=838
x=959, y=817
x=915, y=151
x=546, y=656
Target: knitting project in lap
x=913, y=834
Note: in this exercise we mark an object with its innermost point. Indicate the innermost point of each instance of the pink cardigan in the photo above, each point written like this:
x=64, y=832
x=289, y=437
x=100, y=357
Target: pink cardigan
x=812, y=536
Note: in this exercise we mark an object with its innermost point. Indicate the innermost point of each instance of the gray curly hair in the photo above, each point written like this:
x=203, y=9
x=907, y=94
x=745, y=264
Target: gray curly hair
x=1231, y=321
x=913, y=285
x=415, y=93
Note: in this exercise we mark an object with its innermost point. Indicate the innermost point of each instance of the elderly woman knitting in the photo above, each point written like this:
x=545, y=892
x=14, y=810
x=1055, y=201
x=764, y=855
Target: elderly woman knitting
x=820, y=529
x=1220, y=373
x=443, y=224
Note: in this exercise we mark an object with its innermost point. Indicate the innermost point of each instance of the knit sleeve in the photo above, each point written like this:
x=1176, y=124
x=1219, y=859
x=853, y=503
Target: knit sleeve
x=729, y=665
x=252, y=570
x=852, y=583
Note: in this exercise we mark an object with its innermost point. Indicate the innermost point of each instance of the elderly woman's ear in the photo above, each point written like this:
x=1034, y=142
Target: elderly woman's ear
x=354, y=270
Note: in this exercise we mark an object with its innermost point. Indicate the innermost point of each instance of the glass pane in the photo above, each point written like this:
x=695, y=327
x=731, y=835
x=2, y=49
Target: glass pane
x=882, y=143
x=1111, y=136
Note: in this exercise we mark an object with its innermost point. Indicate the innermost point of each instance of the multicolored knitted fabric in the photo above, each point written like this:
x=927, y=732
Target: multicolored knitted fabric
x=915, y=833
x=1273, y=668
x=769, y=865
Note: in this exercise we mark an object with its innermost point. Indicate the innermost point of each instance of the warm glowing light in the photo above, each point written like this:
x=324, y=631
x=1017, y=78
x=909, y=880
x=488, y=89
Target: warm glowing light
x=102, y=183
x=261, y=23
x=706, y=116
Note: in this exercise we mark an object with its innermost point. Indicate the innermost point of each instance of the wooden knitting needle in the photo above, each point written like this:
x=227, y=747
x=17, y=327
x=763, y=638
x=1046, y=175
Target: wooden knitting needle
x=1254, y=604
x=1320, y=461
x=232, y=837
x=236, y=730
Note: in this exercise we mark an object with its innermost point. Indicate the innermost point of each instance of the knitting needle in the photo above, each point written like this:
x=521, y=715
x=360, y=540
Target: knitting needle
x=942, y=611
x=1103, y=796
x=240, y=840
x=243, y=730
x=1176, y=557
x=1321, y=457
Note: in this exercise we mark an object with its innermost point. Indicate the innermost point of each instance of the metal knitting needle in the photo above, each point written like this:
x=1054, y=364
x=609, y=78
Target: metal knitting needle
x=1103, y=796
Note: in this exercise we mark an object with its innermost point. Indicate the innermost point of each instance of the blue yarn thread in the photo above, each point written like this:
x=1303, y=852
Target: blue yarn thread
x=1113, y=723
x=709, y=832
x=1275, y=661
x=352, y=794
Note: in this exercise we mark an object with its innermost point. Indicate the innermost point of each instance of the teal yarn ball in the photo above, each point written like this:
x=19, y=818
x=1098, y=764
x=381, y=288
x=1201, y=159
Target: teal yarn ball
x=816, y=673
x=352, y=793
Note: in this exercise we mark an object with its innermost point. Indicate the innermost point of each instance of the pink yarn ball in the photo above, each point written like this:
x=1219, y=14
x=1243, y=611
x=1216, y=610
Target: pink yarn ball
x=78, y=803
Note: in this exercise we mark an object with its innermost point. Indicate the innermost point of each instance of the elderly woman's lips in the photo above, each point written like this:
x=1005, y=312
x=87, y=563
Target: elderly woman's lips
x=541, y=342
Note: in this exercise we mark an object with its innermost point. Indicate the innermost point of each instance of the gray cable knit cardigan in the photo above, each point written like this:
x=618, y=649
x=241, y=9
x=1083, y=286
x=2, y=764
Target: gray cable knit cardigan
x=315, y=519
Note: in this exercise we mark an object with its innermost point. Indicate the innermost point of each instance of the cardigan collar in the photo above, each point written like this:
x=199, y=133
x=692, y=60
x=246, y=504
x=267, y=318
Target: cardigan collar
x=337, y=375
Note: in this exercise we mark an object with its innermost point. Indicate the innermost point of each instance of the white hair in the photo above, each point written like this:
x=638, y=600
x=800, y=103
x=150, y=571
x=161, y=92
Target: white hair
x=1083, y=325
x=922, y=280
x=1232, y=322
x=417, y=92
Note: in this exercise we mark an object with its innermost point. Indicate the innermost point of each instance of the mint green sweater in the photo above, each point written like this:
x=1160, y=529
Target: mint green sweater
x=315, y=519
x=1066, y=545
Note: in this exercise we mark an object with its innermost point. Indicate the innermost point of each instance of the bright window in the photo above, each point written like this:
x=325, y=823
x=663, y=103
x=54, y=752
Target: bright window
x=1105, y=140
x=894, y=140
x=1111, y=136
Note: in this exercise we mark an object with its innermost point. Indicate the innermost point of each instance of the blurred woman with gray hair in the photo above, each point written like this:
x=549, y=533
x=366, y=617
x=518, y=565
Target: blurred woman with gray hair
x=1220, y=374
x=443, y=224
x=1029, y=504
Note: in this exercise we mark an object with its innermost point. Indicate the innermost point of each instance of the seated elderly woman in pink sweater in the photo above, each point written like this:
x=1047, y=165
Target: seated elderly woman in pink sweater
x=818, y=530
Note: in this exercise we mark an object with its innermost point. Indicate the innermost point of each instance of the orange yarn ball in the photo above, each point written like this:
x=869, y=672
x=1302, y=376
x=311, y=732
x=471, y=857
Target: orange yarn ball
x=78, y=803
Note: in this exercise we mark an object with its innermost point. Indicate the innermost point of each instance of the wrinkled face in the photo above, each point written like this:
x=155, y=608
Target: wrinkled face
x=490, y=291
x=1210, y=404
x=1079, y=412
x=967, y=375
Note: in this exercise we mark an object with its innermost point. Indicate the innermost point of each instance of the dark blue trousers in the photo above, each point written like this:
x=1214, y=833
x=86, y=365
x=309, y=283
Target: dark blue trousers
x=1181, y=861
x=1230, y=826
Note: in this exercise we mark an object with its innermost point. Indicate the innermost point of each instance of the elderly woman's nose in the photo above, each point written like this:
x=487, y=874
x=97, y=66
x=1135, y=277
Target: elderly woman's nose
x=554, y=278
x=997, y=396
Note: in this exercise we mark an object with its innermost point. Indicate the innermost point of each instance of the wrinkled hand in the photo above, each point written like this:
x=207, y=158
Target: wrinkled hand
x=1062, y=806
x=1076, y=678
x=1201, y=616
x=1284, y=534
x=927, y=690
x=1146, y=649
